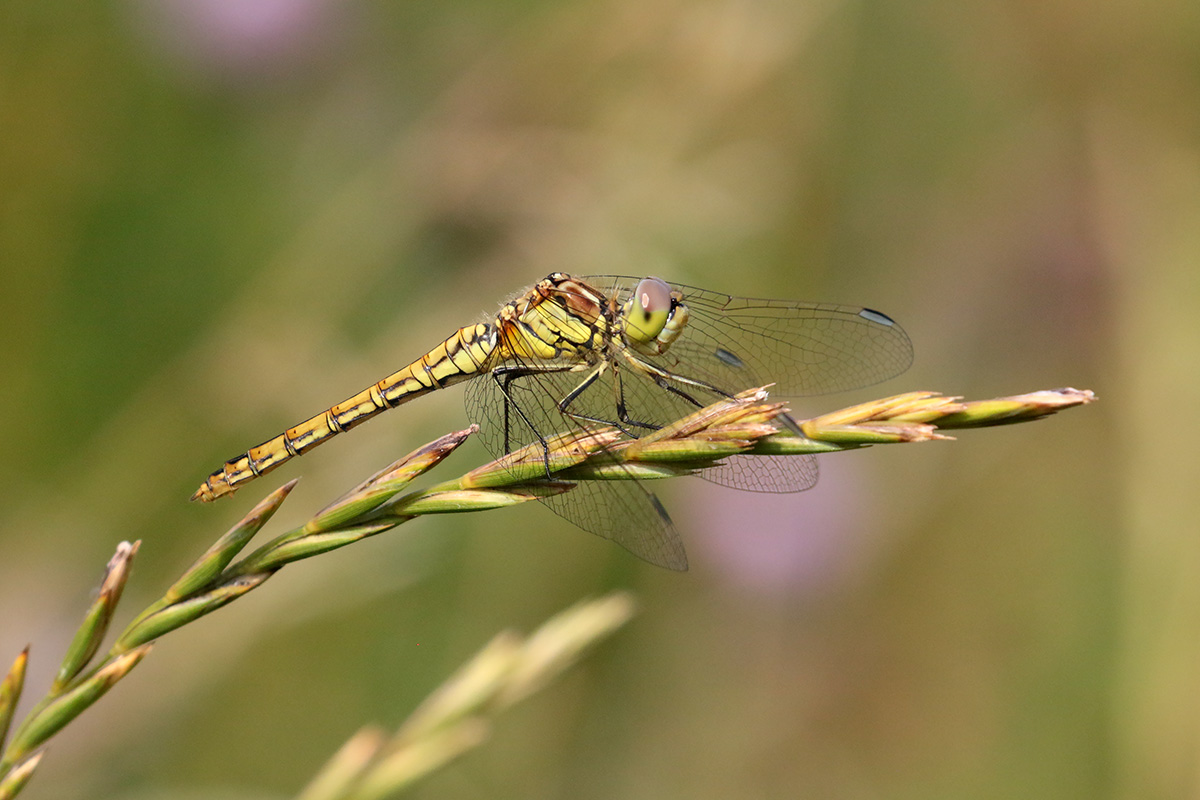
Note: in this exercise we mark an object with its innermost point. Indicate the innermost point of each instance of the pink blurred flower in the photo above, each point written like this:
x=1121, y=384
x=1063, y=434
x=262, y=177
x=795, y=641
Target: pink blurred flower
x=228, y=38
x=807, y=542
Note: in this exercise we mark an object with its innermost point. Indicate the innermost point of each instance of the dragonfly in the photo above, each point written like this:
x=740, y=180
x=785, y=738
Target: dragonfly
x=634, y=353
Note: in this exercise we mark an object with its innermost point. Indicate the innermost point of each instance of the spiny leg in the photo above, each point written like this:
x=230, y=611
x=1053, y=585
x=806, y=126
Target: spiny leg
x=564, y=404
x=504, y=376
x=622, y=411
x=663, y=378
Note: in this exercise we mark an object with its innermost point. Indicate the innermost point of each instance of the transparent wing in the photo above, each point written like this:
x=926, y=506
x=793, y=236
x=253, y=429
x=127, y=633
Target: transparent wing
x=768, y=474
x=648, y=406
x=737, y=343
x=525, y=410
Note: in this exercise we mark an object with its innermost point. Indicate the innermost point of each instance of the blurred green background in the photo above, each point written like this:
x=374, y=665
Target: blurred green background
x=218, y=217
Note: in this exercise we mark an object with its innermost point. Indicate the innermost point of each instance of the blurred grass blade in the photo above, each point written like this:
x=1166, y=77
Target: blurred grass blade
x=10, y=692
x=561, y=640
x=456, y=716
x=348, y=765
x=469, y=691
x=400, y=769
x=14, y=781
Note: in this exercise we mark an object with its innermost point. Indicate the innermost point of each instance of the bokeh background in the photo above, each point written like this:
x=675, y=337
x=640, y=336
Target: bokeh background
x=218, y=217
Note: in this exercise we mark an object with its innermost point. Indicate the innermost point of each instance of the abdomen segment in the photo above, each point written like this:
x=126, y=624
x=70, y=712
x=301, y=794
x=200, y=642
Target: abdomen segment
x=464, y=355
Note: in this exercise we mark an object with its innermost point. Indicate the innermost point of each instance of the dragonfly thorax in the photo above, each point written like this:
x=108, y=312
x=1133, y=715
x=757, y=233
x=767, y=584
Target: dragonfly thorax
x=570, y=320
x=558, y=319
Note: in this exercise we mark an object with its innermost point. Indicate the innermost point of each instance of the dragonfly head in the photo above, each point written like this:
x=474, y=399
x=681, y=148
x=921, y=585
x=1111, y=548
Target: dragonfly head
x=653, y=316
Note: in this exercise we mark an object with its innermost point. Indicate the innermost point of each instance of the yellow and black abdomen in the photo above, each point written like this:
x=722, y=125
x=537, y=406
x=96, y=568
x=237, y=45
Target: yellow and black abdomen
x=463, y=355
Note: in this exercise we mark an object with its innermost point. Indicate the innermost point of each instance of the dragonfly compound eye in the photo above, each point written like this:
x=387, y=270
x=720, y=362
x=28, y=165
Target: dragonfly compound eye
x=647, y=312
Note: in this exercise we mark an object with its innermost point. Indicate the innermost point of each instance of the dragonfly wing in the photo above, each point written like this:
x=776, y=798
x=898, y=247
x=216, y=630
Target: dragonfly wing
x=649, y=403
x=771, y=474
x=730, y=344
x=646, y=401
x=736, y=343
x=526, y=410
x=627, y=513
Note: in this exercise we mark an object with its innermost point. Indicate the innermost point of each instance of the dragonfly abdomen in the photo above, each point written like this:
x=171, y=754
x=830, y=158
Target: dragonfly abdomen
x=462, y=356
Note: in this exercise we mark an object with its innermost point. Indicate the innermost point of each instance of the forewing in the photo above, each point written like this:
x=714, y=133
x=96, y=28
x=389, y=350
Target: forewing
x=737, y=343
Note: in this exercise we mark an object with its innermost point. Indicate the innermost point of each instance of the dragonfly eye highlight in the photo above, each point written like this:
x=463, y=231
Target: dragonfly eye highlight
x=647, y=312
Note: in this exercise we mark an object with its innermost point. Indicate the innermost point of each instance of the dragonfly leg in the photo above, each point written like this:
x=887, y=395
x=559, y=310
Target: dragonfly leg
x=504, y=376
x=664, y=383
x=664, y=379
x=622, y=411
x=565, y=403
